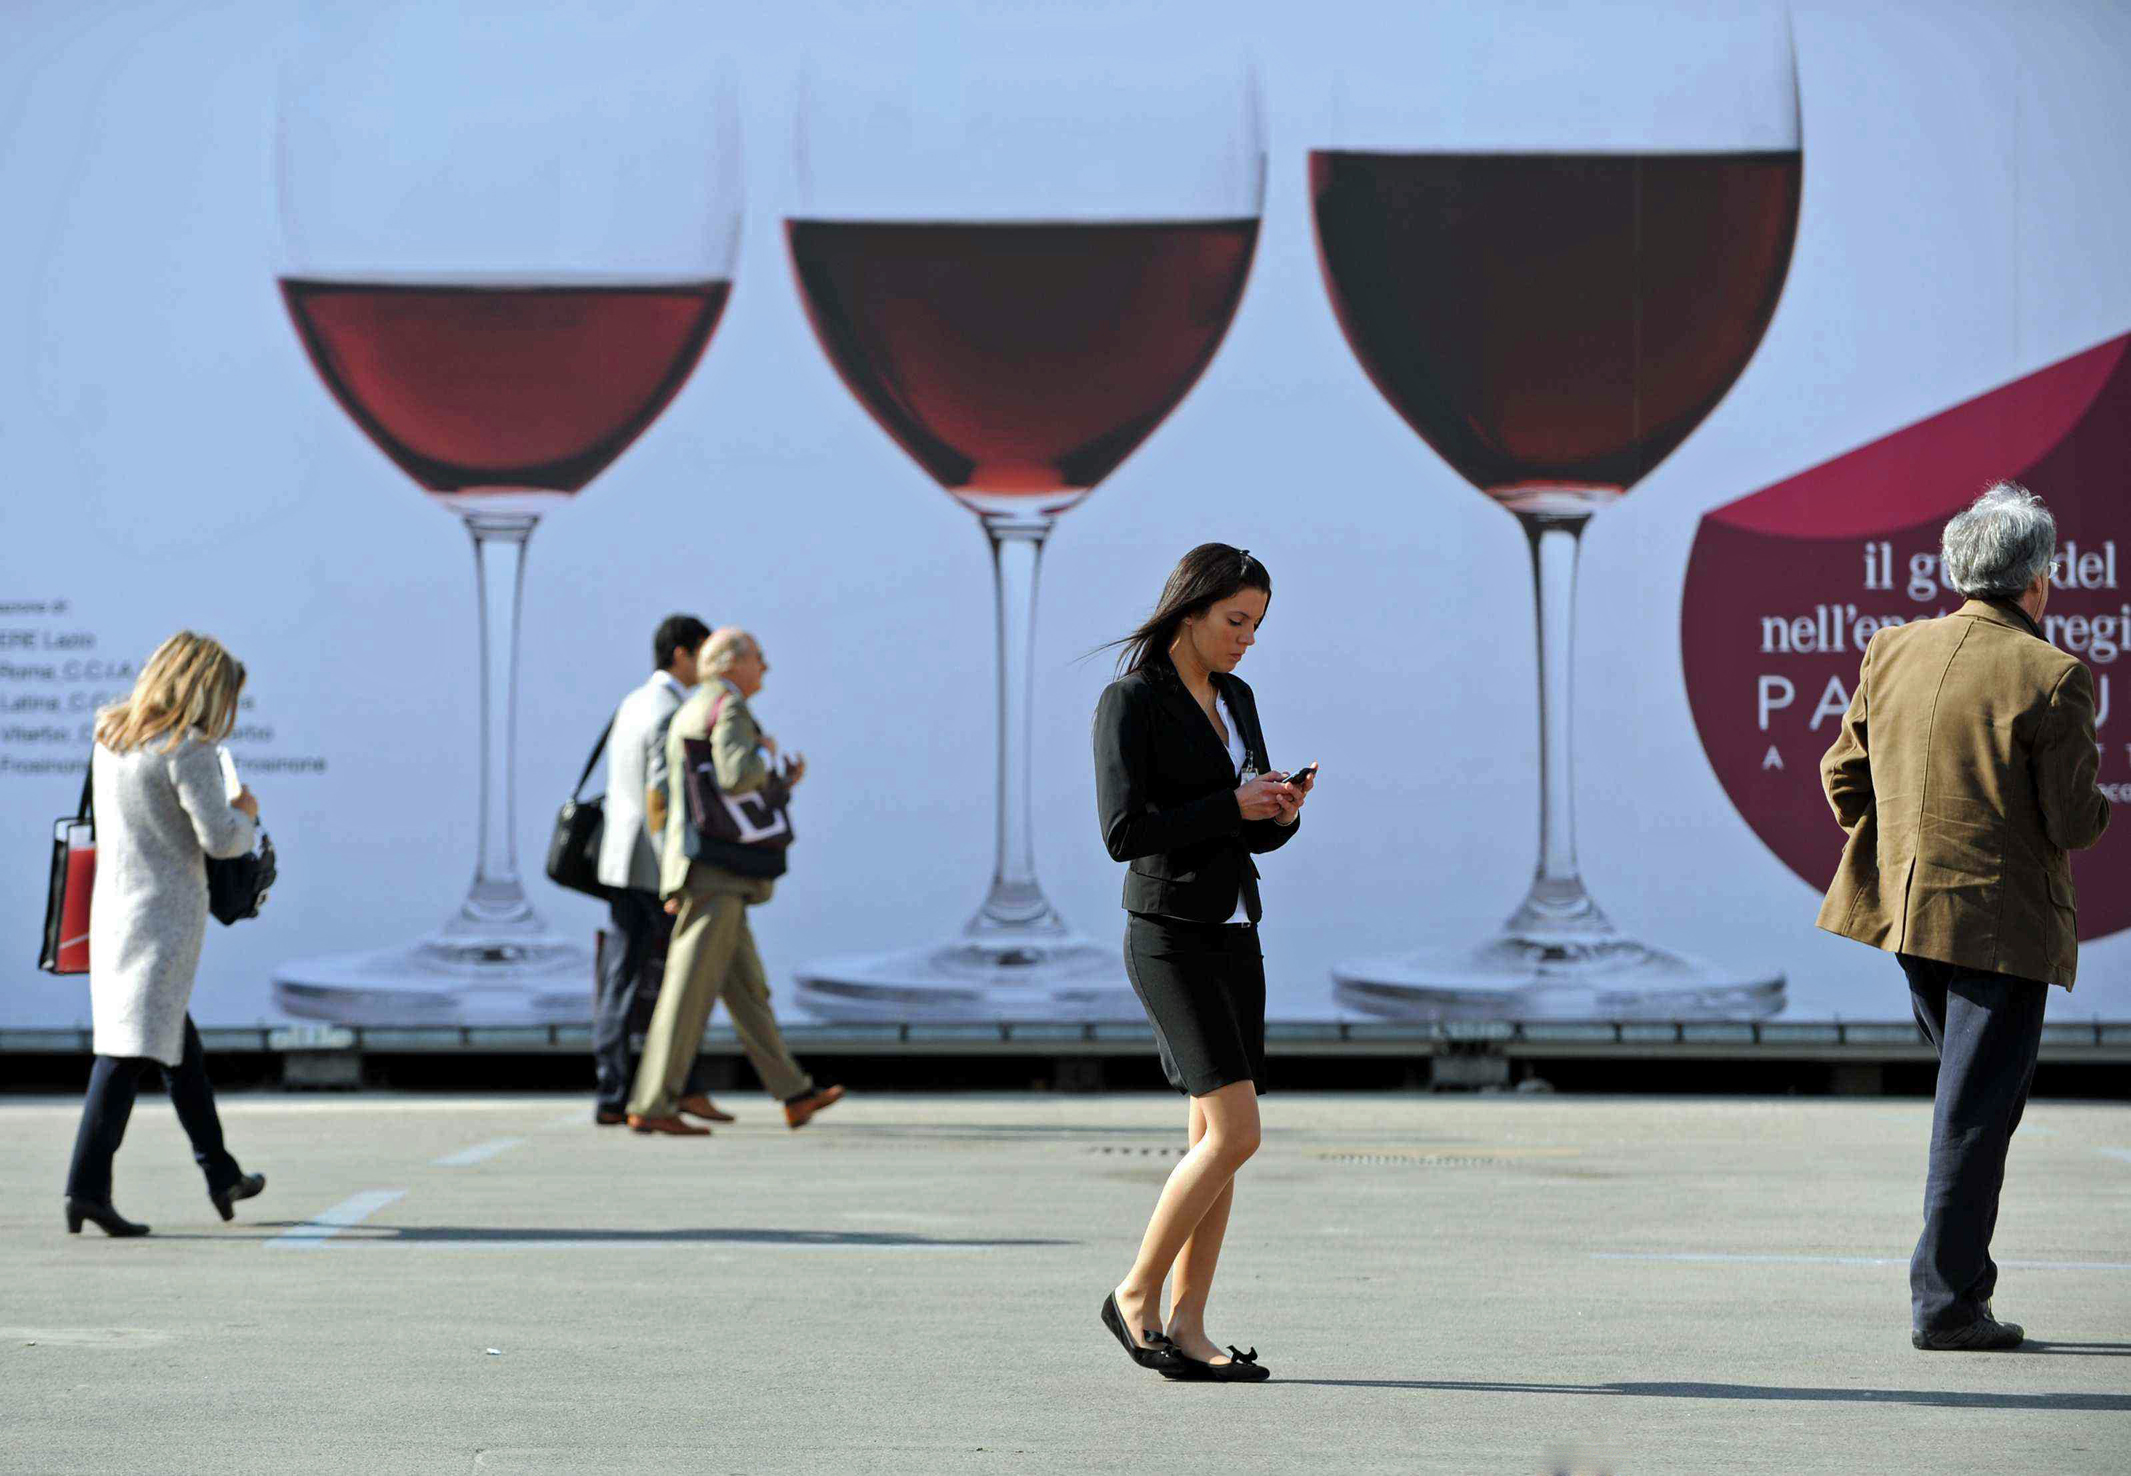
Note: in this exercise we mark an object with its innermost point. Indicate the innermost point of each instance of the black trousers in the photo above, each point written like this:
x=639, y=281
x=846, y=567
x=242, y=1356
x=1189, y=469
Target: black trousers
x=625, y=990
x=1986, y=1029
x=114, y=1081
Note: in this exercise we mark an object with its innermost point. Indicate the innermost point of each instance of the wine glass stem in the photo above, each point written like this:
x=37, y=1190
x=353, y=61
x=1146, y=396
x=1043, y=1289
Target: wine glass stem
x=1556, y=542
x=1015, y=900
x=497, y=896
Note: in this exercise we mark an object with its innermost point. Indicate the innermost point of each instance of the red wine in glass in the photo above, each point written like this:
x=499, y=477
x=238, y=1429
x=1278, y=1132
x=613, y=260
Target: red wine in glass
x=1554, y=325
x=1554, y=320
x=1019, y=361
x=485, y=393
x=510, y=388
x=503, y=267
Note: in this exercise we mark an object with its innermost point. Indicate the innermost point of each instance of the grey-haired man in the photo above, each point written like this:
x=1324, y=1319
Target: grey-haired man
x=629, y=869
x=713, y=953
x=1963, y=777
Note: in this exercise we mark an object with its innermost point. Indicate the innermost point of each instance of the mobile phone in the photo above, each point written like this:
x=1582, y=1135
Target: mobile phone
x=1302, y=775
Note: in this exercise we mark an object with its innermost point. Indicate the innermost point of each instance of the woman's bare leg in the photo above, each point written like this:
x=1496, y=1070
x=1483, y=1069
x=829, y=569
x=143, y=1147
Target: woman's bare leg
x=1191, y=1277
x=1199, y=1180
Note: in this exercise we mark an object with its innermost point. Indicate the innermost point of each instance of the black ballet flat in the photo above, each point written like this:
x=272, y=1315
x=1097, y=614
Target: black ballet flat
x=1155, y=1355
x=1243, y=1368
x=99, y=1213
x=244, y=1188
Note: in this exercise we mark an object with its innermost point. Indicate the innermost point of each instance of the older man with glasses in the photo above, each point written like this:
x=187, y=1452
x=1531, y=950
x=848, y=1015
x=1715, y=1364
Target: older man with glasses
x=1964, y=776
x=713, y=955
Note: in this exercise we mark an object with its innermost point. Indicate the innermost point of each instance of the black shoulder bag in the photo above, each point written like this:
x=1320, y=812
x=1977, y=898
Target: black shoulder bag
x=746, y=834
x=237, y=885
x=573, y=849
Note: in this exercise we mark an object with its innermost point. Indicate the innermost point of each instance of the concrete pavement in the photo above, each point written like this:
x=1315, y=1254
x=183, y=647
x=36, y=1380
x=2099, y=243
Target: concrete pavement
x=1439, y=1284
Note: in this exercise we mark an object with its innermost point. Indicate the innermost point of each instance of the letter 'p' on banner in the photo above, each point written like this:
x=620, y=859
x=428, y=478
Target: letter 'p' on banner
x=1786, y=586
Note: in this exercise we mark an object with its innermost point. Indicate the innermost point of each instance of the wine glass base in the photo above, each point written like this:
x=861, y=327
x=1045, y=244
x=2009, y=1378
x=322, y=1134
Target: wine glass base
x=1514, y=979
x=1000, y=976
x=535, y=980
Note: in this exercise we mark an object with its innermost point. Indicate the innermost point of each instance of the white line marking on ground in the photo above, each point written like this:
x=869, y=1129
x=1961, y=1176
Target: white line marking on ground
x=326, y=1224
x=1714, y=1257
x=476, y=1154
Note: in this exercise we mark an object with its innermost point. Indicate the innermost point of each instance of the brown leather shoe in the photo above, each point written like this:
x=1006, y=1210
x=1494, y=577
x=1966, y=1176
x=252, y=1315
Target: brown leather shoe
x=800, y=1110
x=701, y=1106
x=673, y=1125
x=609, y=1119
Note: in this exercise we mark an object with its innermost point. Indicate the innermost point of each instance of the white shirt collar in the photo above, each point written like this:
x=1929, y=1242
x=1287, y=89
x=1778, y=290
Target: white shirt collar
x=1236, y=748
x=672, y=682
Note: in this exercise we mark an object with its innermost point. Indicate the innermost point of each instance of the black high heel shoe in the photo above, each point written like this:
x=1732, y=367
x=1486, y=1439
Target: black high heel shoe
x=99, y=1213
x=244, y=1188
x=1242, y=1368
x=1158, y=1352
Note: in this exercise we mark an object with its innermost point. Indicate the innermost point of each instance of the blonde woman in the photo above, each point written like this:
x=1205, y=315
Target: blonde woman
x=161, y=810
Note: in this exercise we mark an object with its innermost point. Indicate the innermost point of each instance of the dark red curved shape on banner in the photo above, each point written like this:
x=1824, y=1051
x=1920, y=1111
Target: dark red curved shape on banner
x=1785, y=586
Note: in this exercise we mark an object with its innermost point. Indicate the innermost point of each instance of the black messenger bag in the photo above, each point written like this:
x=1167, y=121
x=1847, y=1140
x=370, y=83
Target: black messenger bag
x=237, y=885
x=573, y=849
x=746, y=834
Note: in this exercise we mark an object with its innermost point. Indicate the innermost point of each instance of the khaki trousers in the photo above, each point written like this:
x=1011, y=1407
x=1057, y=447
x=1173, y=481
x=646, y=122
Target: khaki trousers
x=712, y=956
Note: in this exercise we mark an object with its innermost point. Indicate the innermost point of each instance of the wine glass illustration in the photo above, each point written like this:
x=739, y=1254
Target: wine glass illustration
x=1019, y=258
x=503, y=267
x=1554, y=259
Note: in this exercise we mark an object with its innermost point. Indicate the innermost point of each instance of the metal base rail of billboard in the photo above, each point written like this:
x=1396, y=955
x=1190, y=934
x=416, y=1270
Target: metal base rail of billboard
x=1462, y=1053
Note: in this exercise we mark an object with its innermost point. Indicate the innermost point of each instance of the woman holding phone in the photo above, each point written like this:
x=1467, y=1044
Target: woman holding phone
x=1187, y=796
x=163, y=805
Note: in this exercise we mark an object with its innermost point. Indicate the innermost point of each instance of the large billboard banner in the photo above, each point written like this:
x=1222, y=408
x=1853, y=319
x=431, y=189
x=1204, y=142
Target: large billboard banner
x=1592, y=378
x=1788, y=585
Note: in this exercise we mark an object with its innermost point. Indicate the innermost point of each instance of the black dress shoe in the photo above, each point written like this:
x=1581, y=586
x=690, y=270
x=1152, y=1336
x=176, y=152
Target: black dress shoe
x=1984, y=1335
x=99, y=1213
x=1156, y=1354
x=1242, y=1368
x=244, y=1188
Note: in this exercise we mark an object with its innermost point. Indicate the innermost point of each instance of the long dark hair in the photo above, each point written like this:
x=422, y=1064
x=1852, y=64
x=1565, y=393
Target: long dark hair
x=1202, y=579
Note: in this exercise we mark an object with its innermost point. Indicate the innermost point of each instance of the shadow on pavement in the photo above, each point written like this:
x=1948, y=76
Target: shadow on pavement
x=534, y=1236
x=1923, y=1398
x=2089, y=1350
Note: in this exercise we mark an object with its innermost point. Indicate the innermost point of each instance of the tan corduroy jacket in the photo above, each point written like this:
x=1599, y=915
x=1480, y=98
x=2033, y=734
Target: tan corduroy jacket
x=1964, y=774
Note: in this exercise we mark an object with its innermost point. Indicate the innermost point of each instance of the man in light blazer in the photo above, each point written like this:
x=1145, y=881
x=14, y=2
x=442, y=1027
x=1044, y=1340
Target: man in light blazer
x=713, y=955
x=629, y=865
x=1963, y=776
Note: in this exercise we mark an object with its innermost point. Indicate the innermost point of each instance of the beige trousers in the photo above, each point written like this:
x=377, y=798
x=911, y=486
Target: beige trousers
x=712, y=957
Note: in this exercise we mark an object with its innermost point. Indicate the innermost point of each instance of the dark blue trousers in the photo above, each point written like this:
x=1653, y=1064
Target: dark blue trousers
x=628, y=986
x=1986, y=1029
x=114, y=1081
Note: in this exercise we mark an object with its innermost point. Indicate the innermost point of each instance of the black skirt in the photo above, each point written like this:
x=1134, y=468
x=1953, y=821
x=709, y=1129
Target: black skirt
x=1203, y=986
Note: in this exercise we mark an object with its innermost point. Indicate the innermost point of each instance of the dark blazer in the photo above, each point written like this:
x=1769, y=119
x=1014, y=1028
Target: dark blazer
x=1165, y=794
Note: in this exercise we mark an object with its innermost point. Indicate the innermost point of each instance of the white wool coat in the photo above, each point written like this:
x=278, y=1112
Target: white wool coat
x=159, y=816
